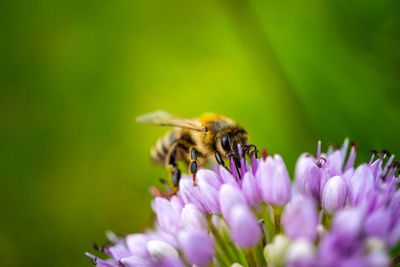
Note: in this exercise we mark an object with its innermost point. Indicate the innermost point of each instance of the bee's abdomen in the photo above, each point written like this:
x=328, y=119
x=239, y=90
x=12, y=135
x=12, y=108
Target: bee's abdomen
x=160, y=151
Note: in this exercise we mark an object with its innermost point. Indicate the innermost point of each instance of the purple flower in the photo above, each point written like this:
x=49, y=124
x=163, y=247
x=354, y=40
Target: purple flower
x=377, y=224
x=189, y=193
x=244, y=227
x=197, y=246
x=335, y=194
x=299, y=218
x=348, y=223
x=308, y=176
x=230, y=196
x=300, y=253
x=168, y=213
x=159, y=249
x=170, y=261
x=361, y=184
x=209, y=184
x=250, y=190
x=335, y=215
x=193, y=218
x=344, y=243
x=137, y=244
x=273, y=181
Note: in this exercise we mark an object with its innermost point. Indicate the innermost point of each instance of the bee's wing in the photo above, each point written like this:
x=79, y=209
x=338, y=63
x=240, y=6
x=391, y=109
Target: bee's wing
x=166, y=119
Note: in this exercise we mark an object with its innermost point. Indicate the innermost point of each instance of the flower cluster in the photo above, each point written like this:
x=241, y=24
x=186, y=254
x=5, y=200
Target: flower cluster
x=333, y=215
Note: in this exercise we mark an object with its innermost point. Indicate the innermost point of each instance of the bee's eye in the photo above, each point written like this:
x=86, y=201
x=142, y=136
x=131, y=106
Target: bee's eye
x=225, y=143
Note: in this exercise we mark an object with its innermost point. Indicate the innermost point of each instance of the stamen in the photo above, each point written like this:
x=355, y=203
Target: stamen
x=319, y=149
x=264, y=154
x=374, y=152
x=389, y=162
x=352, y=157
x=353, y=144
x=253, y=161
x=95, y=246
x=376, y=167
x=240, y=150
x=384, y=151
x=112, y=237
x=320, y=162
x=371, y=160
x=155, y=192
x=395, y=167
x=165, y=184
x=232, y=167
x=390, y=176
x=344, y=148
x=332, y=147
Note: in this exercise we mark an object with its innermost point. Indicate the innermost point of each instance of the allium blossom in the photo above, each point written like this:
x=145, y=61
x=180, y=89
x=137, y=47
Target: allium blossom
x=334, y=214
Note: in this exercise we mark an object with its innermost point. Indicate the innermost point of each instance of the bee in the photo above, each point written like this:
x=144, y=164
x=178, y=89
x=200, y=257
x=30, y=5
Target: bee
x=196, y=140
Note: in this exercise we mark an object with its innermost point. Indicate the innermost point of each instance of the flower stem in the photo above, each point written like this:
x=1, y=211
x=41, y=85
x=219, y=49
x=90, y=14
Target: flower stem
x=222, y=261
x=255, y=257
x=277, y=219
x=225, y=254
x=242, y=258
x=260, y=253
x=269, y=223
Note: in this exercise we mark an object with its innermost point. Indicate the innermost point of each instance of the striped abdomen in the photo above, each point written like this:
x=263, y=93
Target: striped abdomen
x=160, y=151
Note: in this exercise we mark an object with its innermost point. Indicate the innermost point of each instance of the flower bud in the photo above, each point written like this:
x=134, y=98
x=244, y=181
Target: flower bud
x=244, y=228
x=394, y=236
x=377, y=223
x=250, y=189
x=119, y=251
x=308, y=176
x=193, y=218
x=132, y=261
x=347, y=223
x=190, y=193
x=197, y=246
x=273, y=180
x=229, y=196
x=227, y=177
x=159, y=249
x=334, y=194
x=300, y=253
x=275, y=252
x=300, y=218
x=169, y=261
x=168, y=214
x=137, y=243
x=376, y=251
x=208, y=188
x=361, y=184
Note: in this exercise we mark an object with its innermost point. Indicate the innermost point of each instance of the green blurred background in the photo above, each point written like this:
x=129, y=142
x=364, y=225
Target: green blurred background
x=75, y=74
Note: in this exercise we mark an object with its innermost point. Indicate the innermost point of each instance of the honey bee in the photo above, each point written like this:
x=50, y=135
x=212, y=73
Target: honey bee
x=195, y=140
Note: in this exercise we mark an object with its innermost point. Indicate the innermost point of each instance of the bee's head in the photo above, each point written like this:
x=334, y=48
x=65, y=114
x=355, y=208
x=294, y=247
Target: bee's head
x=229, y=142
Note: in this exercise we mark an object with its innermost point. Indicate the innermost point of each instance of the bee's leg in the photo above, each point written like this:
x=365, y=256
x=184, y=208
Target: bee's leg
x=219, y=159
x=193, y=164
x=172, y=165
x=247, y=150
